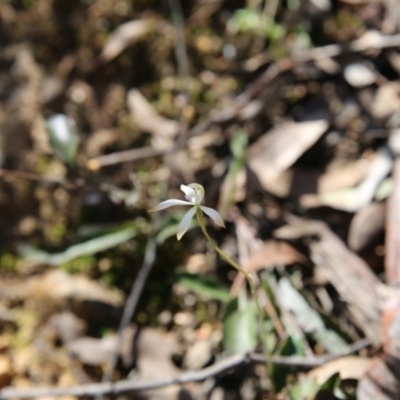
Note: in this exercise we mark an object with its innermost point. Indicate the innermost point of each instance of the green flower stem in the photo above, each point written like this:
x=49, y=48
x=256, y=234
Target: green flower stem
x=250, y=280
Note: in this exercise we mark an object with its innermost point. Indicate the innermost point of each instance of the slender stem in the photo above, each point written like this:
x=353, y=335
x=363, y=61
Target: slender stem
x=250, y=280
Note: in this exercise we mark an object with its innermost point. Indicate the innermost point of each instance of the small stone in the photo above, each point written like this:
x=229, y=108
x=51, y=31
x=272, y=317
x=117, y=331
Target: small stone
x=359, y=75
x=198, y=355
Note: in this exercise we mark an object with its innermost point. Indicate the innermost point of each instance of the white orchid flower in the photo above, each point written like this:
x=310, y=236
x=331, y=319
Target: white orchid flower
x=194, y=193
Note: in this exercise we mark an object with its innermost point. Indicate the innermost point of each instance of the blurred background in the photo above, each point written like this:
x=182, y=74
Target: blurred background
x=286, y=111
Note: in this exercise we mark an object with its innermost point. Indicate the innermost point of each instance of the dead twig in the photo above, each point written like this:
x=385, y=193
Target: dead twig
x=371, y=40
x=180, y=49
x=123, y=156
x=60, y=180
x=128, y=385
x=133, y=299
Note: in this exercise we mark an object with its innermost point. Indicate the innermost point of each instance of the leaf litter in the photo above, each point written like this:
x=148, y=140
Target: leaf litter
x=292, y=132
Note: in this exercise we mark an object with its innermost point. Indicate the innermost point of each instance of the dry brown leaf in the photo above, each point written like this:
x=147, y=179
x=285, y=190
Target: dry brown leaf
x=366, y=226
x=154, y=361
x=67, y=326
x=387, y=100
x=143, y=113
x=309, y=183
x=349, y=367
x=97, y=352
x=354, y=199
x=198, y=354
x=279, y=148
x=343, y=176
x=55, y=286
x=273, y=252
x=59, y=285
x=281, y=185
x=92, y=351
x=98, y=141
x=124, y=36
x=233, y=190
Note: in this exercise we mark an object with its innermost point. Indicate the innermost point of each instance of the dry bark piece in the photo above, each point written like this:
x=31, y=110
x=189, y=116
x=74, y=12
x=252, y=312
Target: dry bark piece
x=379, y=383
x=392, y=261
x=391, y=325
x=349, y=274
x=382, y=380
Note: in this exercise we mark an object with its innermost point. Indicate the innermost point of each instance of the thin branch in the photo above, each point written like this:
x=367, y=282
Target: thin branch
x=180, y=47
x=370, y=41
x=311, y=362
x=129, y=385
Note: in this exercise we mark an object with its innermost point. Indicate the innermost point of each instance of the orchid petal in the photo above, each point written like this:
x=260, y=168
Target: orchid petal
x=170, y=203
x=190, y=193
x=214, y=215
x=186, y=189
x=193, y=192
x=185, y=223
x=199, y=192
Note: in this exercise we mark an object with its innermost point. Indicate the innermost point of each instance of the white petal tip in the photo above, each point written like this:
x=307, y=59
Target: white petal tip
x=214, y=215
